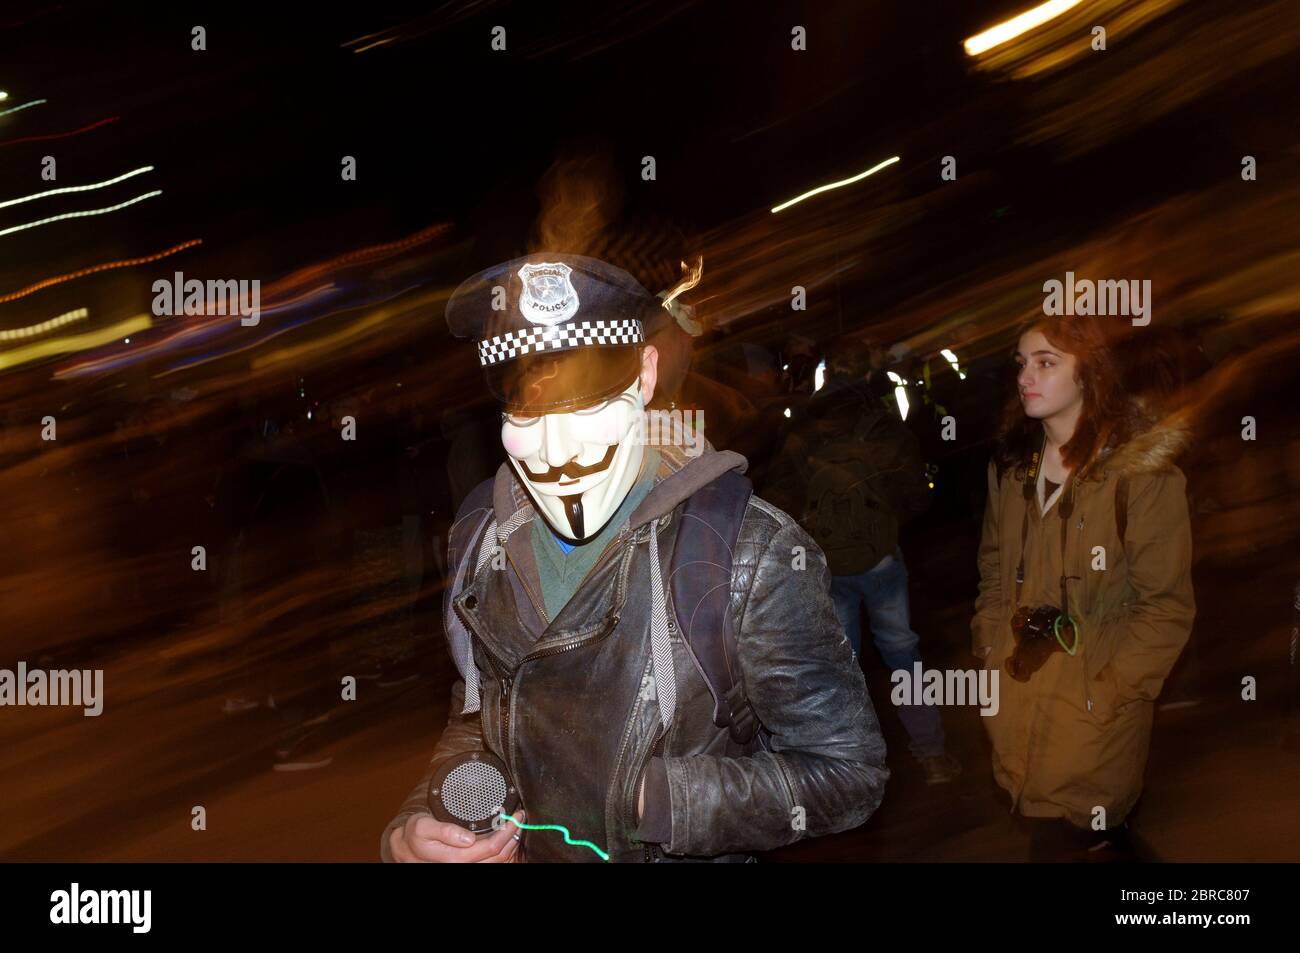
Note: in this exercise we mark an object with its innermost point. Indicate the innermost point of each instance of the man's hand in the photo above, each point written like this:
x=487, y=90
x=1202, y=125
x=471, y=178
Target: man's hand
x=426, y=840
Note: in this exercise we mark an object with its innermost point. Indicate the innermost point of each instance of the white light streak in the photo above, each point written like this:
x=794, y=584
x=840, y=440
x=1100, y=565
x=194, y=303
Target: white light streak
x=77, y=188
x=94, y=211
x=34, y=102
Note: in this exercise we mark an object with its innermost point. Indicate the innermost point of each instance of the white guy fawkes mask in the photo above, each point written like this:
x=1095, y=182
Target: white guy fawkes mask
x=579, y=465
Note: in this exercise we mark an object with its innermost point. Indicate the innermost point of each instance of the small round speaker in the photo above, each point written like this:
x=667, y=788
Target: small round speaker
x=471, y=789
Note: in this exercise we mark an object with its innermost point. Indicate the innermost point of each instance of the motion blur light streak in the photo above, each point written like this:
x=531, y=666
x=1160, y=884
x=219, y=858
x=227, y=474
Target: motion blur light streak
x=325, y=344
x=61, y=135
x=196, y=329
x=34, y=102
x=692, y=278
x=93, y=269
x=835, y=185
x=194, y=332
x=371, y=46
x=35, y=329
x=79, y=342
x=1010, y=29
x=78, y=188
x=95, y=211
x=1069, y=38
x=358, y=257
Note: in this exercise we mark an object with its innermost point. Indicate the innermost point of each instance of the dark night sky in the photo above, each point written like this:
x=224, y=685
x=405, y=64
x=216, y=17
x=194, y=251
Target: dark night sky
x=247, y=135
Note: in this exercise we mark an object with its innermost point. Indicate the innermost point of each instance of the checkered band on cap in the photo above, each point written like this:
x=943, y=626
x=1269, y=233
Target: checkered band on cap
x=512, y=344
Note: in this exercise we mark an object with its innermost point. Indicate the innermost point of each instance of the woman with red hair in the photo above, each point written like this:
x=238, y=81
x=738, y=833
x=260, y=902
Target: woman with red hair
x=1085, y=596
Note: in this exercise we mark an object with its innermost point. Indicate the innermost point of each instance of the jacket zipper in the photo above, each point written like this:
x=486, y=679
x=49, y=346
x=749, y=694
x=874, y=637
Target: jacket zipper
x=573, y=643
x=541, y=610
x=650, y=852
x=507, y=681
x=1079, y=545
x=504, y=681
x=785, y=779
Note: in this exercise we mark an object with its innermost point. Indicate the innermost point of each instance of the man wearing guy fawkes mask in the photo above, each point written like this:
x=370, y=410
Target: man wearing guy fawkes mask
x=577, y=669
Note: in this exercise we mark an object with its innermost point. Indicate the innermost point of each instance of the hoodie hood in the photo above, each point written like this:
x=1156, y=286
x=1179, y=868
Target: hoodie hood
x=680, y=475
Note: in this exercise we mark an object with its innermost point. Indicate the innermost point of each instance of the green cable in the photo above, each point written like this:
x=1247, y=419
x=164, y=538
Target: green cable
x=1056, y=630
x=556, y=827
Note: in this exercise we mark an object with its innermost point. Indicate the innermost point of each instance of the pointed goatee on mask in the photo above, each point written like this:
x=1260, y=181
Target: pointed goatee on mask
x=579, y=465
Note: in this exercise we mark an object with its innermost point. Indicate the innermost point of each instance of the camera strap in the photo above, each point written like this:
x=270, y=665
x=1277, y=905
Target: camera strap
x=1031, y=482
x=1065, y=506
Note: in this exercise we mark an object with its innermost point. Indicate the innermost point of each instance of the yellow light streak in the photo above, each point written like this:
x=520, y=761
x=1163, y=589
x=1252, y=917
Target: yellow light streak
x=76, y=342
x=15, y=334
x=835, y=185
x=1010, y=29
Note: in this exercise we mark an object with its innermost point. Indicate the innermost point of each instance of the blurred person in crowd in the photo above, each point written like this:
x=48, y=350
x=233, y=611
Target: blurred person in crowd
x=800, y=355
x=852, y=473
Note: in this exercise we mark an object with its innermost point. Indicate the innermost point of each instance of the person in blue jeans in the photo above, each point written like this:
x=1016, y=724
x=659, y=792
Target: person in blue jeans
x=851, y=472
x=883, y=590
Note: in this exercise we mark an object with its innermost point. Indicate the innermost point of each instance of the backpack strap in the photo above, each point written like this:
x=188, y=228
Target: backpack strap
x=466, y=533
x=700, y=584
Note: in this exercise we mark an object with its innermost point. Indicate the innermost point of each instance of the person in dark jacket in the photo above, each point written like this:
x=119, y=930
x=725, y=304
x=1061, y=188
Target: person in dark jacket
x=573, y=670
x=853, y=473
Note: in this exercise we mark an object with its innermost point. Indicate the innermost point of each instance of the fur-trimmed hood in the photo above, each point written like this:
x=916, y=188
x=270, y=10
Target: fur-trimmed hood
x=1153, y=450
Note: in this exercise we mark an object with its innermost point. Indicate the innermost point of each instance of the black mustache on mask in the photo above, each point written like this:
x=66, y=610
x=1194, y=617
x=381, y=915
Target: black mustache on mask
x=570, y=470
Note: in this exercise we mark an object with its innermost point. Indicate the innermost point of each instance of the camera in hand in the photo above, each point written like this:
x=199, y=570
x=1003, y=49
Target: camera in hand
x=1038, y=631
